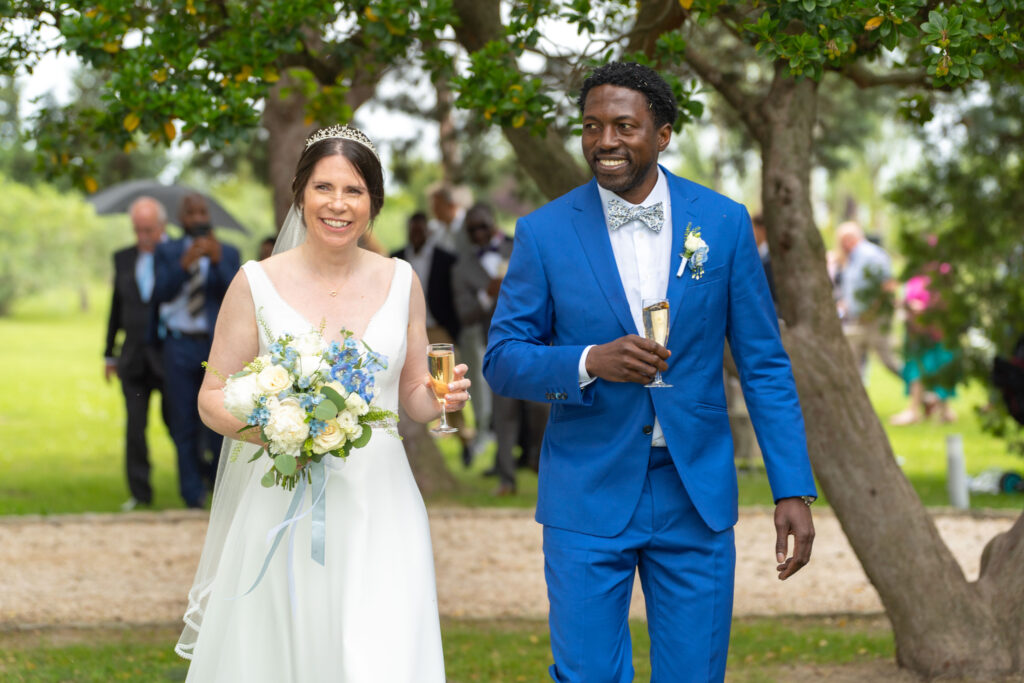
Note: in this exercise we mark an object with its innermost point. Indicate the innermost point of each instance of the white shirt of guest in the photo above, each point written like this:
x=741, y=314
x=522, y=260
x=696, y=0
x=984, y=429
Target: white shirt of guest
x=449, y=236
x=643, y=258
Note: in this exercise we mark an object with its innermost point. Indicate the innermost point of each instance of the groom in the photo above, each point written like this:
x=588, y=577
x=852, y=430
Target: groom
x=633, y=478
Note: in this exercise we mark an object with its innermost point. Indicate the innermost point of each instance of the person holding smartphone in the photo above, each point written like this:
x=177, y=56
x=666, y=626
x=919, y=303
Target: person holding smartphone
x=191, y=276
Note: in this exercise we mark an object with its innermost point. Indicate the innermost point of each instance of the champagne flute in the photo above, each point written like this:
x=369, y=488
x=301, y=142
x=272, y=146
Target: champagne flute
x=441, y=365
x=655, y=312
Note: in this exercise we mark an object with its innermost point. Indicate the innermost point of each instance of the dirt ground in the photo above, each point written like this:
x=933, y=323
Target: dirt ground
x=136, y=568
x=86, y=571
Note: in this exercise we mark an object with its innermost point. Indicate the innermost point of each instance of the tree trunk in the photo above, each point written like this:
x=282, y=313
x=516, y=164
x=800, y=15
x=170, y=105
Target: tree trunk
x=428, y=466
x=284, y=119
x=970, y=631
x=451, y=158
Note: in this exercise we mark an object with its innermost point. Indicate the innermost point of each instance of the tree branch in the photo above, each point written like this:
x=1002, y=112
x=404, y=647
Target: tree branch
x=865, y=78
x=744, y=104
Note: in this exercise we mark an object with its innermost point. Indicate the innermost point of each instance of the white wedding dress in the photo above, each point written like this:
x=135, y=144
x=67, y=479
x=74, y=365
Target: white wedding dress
x=369, y=615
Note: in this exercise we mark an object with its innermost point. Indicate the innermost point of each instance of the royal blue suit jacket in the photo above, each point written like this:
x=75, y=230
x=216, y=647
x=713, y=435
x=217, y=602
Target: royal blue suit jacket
x=562, y=292
x=170, y=277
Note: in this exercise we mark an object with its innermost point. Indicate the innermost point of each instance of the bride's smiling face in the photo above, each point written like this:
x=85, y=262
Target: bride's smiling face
x=336, y=202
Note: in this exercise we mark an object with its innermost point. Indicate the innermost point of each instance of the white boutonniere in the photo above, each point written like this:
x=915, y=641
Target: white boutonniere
x=695, y=253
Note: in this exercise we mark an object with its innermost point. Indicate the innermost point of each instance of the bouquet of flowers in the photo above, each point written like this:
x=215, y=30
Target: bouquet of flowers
x=309, y=399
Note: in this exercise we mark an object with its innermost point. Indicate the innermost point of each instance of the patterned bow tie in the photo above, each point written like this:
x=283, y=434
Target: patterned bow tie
x=619, y=213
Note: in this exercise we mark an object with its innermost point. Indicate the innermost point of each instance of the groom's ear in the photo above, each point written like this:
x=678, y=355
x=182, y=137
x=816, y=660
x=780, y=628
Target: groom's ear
x=664, y=136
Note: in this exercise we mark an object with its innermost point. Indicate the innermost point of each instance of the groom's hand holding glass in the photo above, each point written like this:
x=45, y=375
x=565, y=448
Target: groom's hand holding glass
x=627, y=359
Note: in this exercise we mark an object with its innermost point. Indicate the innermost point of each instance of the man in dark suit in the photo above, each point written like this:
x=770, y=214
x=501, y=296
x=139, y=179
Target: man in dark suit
x=138, y=364
x=192, y=275
x=433, y=265
x=476, y=280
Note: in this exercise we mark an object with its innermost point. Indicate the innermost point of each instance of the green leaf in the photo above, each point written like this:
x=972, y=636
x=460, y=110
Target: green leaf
x=285, y=464
x=327, y=410
x=363, y=438
x=256, y=456
x=331, y=395
x=268, y=479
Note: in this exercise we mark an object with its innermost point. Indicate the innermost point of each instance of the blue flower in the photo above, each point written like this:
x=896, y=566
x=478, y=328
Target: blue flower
x=259, y=416
x=309, y=401
x=316, y=427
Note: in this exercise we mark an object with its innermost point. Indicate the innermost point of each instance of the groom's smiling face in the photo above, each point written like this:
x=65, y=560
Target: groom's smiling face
x=621, y=141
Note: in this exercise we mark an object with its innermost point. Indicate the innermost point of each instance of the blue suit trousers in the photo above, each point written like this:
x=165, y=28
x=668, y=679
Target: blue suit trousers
x=183, y=359
x=686, y=572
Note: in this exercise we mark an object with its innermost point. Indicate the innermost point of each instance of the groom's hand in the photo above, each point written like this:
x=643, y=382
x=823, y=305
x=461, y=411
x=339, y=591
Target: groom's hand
x=793, y=518
x=627, y=359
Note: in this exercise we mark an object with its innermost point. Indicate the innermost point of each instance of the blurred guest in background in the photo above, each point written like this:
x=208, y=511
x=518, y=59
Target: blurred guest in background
x=929, y=368
x=266, y=248
x=476, y=281
x=866, y=302
x=192, y=275
x=138, y=364
x=433, y=264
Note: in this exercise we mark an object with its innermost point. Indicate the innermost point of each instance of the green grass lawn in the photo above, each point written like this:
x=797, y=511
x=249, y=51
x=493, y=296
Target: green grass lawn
x=490, y=650
x=61, y=427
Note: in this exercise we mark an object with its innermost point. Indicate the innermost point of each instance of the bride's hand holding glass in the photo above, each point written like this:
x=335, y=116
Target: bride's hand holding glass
x=453, y=394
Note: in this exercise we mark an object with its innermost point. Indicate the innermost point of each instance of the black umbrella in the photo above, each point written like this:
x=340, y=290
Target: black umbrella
x=118, y=199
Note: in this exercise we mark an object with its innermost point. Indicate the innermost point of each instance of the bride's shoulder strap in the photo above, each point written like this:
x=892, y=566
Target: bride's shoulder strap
x=259, y=283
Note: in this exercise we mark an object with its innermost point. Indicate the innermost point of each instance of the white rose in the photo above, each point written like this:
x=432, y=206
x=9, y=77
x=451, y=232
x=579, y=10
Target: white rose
x=240, y=394
x=308, y=344
x=356, y=404
x=309, y=364
x=286, y=428
x=330, y=438
x=273, y=379
x=349, y=424
x=693, y=243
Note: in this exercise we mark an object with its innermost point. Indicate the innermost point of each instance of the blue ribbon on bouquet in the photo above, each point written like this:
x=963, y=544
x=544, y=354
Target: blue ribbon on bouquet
x=318, y=510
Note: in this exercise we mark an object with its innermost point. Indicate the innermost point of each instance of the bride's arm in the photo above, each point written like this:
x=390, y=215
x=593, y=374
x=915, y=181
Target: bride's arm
x=414, y=386
x=235, y=343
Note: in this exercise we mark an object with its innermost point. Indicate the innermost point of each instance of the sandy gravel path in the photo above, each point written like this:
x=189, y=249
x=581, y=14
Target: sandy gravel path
x=136, y=568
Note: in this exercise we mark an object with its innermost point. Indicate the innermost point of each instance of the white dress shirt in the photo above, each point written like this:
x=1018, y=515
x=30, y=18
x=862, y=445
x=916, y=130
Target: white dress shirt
x=643, y=258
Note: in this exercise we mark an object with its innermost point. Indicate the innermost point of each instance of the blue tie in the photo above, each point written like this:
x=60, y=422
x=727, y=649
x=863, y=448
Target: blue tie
x=144, y=275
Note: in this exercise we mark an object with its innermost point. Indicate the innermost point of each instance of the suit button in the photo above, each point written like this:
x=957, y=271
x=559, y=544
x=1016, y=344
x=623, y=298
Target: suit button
x=648, y=429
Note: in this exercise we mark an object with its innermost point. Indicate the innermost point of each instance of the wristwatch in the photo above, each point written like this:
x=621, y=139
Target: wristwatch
x=808, y=500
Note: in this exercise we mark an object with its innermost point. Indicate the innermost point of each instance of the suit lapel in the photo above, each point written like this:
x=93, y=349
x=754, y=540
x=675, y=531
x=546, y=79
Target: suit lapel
x=684, y=213
x=597, y=248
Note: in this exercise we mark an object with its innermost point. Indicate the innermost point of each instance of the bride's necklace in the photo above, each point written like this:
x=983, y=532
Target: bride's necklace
x=332, y=289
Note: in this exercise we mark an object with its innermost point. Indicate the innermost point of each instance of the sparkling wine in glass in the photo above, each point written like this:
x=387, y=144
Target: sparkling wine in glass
x=441, y=365
x=655, y=313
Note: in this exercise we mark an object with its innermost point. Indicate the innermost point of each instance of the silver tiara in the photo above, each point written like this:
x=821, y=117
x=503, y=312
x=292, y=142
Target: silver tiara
x=343, y=132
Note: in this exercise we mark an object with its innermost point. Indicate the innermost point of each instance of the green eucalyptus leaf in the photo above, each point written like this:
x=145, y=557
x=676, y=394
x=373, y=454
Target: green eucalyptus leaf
x=363, y=438
x=285, y=464
x=268, y=479
x=327, y=409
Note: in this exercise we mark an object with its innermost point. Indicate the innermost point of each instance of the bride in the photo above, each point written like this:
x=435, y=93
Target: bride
x=369, y=613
